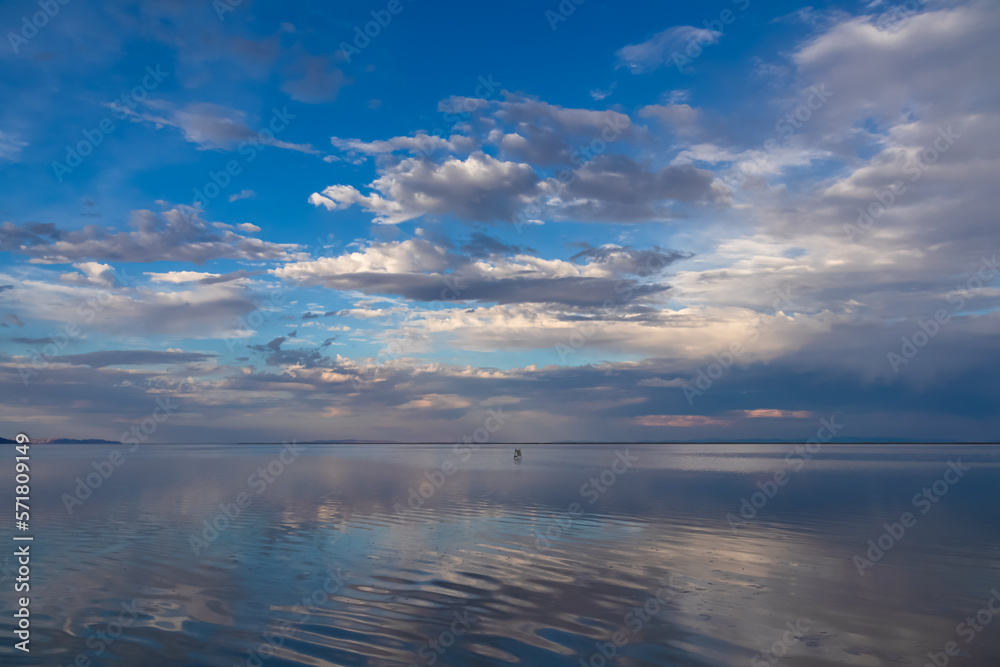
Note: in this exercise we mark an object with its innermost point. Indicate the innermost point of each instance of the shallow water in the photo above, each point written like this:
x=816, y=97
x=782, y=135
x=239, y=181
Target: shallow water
x=507, y=563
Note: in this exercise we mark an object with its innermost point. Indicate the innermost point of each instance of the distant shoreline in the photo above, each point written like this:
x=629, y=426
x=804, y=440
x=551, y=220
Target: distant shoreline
x=97, y=441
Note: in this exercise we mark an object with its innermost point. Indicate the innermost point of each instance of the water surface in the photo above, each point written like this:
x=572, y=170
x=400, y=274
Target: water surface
x=421, y=554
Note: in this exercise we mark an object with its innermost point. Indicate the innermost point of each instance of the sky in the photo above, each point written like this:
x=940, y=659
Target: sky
x=527, y=221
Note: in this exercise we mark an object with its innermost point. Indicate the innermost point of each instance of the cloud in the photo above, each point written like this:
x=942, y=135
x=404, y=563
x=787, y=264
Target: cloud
x=767, y=413
x=437, y=402
x=179, y=276
x=244, y=194
x=178, y=235
x=484, y=245
x=92, y=273
x=599, y=94
x=680, y=421
x=203, y=311
x=420, y=142
x=274, y=355
x=662, y=47
x=546, y=134
x=477, y=189
x=213, y=126
x=616, y=188
x=130, y=358
x=11, y=147
x=683, y=119
x=420, y=270
x=319, y=82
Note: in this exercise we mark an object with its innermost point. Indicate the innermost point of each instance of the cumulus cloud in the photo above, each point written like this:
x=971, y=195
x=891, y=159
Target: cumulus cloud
x=479, y=188
x=420, y=270
x=616, y=188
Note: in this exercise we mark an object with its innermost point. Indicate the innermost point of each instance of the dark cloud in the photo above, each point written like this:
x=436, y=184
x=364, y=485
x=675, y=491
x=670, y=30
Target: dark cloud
x=229, y=277
x=274, y=355
x=130, y=358
x=629, y=260
x=178, y=235
x=477, y=189
x=616, y=188
x=484, y=245
x=14, y=238
x=315, y=80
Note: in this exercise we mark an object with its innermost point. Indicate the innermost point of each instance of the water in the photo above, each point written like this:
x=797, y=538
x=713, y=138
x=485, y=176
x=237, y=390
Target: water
x=508, y=563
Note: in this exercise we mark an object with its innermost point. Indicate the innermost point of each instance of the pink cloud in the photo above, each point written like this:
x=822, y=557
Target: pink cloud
x=681, y=420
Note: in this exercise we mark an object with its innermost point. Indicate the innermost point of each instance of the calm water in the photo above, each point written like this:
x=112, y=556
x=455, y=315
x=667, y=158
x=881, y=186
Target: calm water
x=524, y=563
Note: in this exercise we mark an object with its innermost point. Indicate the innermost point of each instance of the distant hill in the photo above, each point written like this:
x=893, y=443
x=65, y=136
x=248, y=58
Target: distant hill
x=64, y=441
x=333, y=442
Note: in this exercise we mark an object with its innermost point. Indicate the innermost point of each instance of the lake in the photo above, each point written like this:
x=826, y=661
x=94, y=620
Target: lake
x=576, y=555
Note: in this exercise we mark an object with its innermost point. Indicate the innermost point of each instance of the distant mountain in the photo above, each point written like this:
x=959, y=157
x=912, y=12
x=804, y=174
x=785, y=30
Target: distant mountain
x=65, y=441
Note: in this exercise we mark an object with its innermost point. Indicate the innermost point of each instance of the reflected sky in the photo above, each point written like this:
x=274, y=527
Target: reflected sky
x=339, y=559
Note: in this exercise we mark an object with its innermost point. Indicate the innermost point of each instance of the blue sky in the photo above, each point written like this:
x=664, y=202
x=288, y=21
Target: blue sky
x=629, y=221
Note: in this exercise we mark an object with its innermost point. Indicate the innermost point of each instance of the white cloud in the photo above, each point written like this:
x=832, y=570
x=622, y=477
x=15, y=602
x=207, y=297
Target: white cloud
x=11, y=146
x=663, y=47
x=479, y=188
x=244, y=194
